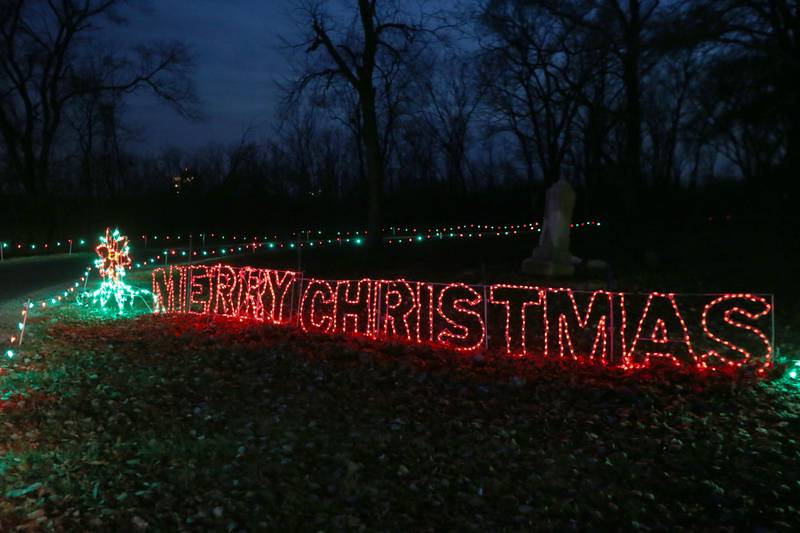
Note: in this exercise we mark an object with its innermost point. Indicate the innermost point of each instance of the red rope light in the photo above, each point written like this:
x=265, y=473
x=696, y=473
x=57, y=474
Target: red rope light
x=566, y=324
x=766, y=308
x=556, y=323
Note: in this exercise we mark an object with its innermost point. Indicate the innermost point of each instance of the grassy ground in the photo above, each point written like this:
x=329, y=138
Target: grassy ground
x=173, y=424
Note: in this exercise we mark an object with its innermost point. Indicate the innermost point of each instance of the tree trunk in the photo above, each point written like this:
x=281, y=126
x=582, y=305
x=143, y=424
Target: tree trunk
x=633, y=107
x=792, y=160
x=375, y=176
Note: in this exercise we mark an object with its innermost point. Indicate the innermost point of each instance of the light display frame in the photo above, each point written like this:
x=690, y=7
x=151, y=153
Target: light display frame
x=628, y=331
x=112, y=263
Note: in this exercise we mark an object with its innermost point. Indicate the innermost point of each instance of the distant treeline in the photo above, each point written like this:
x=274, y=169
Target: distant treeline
x=213, y=211
x=650, y=108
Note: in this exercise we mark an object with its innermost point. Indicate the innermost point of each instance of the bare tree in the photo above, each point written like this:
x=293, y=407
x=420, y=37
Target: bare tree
x=298, y=134
x=756, y=54
x=623, y=29
x=45, y=66
x=667, y=109
x=536, y=75
x=361, y=54
x=100, y=135
x=453, y=99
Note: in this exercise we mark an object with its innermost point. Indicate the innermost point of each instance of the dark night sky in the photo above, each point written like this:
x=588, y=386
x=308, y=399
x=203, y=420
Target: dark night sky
x=238, y=56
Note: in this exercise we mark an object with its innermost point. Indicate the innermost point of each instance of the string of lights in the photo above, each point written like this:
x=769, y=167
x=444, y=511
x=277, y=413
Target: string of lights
x=14, y=341
x=456, y=316
x=113, y=261
x=393, y=234
x=553, y=323
x=435, y=234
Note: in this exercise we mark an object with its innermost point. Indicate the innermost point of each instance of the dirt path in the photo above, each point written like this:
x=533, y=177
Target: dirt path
x=21, y=277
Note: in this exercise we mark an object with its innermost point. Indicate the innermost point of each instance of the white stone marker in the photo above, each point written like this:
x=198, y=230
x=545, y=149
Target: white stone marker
x=552, y=257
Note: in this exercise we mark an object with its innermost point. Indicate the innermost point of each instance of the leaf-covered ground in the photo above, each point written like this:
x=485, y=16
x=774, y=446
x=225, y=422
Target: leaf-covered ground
x=190, y=424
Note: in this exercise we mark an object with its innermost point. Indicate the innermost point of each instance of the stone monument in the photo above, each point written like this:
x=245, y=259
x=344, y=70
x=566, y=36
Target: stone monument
x=552, y=256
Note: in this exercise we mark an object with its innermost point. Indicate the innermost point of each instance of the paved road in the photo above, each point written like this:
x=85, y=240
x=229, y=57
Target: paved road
x=21, y=277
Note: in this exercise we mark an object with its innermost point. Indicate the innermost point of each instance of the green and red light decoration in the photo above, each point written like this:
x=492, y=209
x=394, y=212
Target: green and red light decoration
x=15, y=339
x=392, y=235
x=112, y=263
x=794, y=370
x=612, y=329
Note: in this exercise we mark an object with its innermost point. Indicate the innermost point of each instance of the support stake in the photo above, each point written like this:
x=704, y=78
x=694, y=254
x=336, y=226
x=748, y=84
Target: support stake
x=24, y=320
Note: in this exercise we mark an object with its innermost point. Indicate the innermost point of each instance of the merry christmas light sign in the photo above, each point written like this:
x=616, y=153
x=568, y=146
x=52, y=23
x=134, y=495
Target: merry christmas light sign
x=629, y=331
